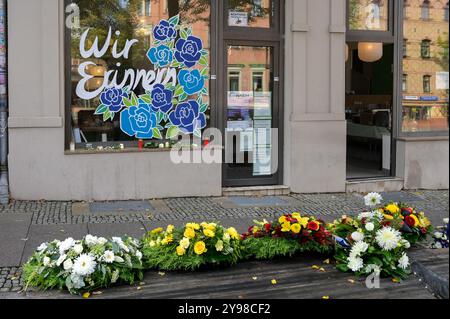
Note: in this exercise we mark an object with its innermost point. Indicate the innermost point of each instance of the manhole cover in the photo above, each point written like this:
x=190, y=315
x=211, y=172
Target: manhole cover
x=120, y=206
x=259, y=201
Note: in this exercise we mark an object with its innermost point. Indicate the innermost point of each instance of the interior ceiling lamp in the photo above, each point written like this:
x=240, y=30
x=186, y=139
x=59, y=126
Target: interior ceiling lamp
x=370, y=51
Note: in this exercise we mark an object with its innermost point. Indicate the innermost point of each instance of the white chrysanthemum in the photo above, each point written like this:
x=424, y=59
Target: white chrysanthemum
x=405, y=243
x=372, y=268
x=185, y=243
x=388, y=238
x=373, y=199
x=121, y=244
x=357, y=236
x=47, y=261
x=403, y=262
x=108, y=257
x=68, y=264
x=219, y=245
x=355, y=264
x=91, y=240
x=370, y=226
x=84, y=265
x=66, y=245
x=102, y=240
x=78, y=249
x=366, y=215
x=138, y=255
x=42, y=247
x=359, y=248
x=438, y=235
x=61, y=260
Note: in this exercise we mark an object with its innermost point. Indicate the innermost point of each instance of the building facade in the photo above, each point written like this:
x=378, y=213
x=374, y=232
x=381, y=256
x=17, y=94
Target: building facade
x=315, y=96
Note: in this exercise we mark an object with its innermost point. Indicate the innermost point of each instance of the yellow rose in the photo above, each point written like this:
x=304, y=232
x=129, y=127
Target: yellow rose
x=185, y=243
x=189, y=233
x=167, y=240
x=286, y=227
x=233, y=233
x=304, y=221
x=200, y=248
x=255, y=230
x=193, y=226
x=170, y=229
x=157, y=231
x=393, y=209
x=296, y=216
x=282, y=219
x=296, y=228
x=209, y=233
x=181, y=251
x=211, y=226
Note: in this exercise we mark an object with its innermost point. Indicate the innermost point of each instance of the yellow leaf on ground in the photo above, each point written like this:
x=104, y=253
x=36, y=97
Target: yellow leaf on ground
x=86, y=295
x=395, y=280
x=274, y=282
x=315, y=267
x=255, y=278
x=162, y=273
x=139, y=288
x=322, y=270
x=326, y=297
x=351, y=281
x=327, y=261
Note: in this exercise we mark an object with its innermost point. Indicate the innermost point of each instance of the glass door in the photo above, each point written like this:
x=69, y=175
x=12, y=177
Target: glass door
x=251, y=115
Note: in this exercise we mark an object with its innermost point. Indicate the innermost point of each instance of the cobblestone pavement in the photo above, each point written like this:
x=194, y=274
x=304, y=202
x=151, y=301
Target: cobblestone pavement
x=327, y=206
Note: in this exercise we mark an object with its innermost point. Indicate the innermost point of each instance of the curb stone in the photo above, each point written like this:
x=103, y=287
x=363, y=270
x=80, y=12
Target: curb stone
x=436, y=283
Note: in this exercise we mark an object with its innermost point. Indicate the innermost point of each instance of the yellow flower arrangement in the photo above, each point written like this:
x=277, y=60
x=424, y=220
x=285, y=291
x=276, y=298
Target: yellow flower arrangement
x=170, y=229
x=424, y=221
x=167, y=240
x=189, y=233
x=157, y=231
x=286, y=227
x=304, y=221
x=200, y=248
x=194, y=226
x=296, y=216
x=185, y=243
x=416, y=220
x=282, y=219
x=296, y=228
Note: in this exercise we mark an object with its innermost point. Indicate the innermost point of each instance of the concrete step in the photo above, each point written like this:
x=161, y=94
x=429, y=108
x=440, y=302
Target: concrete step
x=375, y=185
x=276, y=190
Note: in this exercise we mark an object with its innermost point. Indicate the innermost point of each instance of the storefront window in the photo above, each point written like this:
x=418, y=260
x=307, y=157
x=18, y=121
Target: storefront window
x=368, y=15
x=250, y=13
x=139, y=70
x=425, y=100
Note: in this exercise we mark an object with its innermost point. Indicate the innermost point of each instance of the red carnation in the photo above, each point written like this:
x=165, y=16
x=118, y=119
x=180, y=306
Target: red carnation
x=313, y=226
x=268, y=227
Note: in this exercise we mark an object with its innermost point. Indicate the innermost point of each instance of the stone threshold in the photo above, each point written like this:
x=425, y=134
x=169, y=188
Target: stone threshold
x=275, y=190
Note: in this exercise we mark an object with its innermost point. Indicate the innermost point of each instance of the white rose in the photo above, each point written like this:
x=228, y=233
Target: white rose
x=61, y=260
x=42, y=247
x=370, y=226
x=357, y=236
x=102, y=241
x=78, y=249
x=68, y=264
x=139, y=255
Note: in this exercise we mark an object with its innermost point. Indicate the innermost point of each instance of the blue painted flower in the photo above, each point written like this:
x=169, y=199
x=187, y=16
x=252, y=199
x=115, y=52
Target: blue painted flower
x=161, y=99
x=138, y=121
x=189, y=51
x=164, y=31
x=191, y=81
x=160, y=56
x=112, y=98
x=187, y=117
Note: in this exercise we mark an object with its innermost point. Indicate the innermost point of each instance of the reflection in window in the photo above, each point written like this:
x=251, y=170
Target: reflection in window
x=425, y=49
x=425, y=12
x=123, y=31
x=368, y=15
x=250, y=13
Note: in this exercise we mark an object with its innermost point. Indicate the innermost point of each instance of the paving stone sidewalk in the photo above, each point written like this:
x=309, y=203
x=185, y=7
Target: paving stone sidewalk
x=25, y=225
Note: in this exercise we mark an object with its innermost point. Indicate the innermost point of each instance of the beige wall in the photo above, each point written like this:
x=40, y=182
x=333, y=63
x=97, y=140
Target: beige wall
x=315, y=152
x=38, y=168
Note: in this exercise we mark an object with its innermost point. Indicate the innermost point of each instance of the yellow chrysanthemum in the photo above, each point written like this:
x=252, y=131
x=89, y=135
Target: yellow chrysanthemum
x=200, y=248
x=282, y=219
x=209, y=233
x=233, y=233
x=393, y=209
x=296, y=228
x=189, y=233
x=286, y=227
x=181, y=251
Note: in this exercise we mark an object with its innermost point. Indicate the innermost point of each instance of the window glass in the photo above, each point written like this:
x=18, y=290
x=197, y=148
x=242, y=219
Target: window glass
x=425, y=95
x=250, y=13
x=139, y=70
x=369, y=15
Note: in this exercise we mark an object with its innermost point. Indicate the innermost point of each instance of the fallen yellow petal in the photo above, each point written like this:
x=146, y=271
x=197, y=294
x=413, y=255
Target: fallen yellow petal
x=255, y=278
x=86, y=295
x=315, y=267
x=139, y=288
x=162, y=273
x=274, y=282
x=351, y=281
x=395, y=280
x=326, y=297
x=326, y=261
x=322, y=270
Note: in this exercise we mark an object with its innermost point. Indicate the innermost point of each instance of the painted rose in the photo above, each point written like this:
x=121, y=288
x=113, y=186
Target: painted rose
x=189, y=51
x=187, y=117
x=161, y=56
x=161, y=99
x=113, y=99
x=165, y=31
x=138, y=121
x=191, y=81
